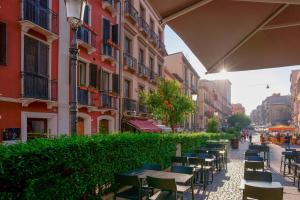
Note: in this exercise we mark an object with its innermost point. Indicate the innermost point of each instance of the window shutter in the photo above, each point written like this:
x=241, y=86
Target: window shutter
x=115, y=83
x=86, y=17
x=114, y=30
x=43, y=59
x=106, y=30
x=100, y=80
x=93, y=75
x=30, y=55
x=2, y=43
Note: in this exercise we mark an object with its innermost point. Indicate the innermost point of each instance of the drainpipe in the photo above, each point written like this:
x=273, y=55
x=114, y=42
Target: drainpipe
x=121, y=31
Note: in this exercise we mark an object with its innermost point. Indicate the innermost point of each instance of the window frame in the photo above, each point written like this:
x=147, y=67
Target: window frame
x=3, y=41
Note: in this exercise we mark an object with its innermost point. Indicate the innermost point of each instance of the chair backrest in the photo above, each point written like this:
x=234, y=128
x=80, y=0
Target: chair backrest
x=254, y=158
x=182, y=169
x=197, y=151
x=127, y=180
x=162, y=184
x=179, y=160
x=190, y=154
x=254, y=165
x=196, y=161
x=251, y=153
x=156, y=167
x=262, y=193
x=258, y=176
x=204, y=155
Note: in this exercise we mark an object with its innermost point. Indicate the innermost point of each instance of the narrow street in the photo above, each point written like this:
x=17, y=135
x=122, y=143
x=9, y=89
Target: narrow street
x=226, y=184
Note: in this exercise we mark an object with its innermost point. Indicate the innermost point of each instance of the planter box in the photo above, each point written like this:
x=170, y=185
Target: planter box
x=234, y=143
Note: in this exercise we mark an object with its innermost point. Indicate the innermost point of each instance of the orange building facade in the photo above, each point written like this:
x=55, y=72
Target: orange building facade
x=237, y=108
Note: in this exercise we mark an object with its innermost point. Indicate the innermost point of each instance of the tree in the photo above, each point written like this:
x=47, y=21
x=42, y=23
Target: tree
x=213, y=125
x=167, y=103
x=239, y=121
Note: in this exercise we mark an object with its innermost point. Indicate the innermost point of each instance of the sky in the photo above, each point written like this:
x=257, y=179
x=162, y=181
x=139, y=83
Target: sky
x=248, y=87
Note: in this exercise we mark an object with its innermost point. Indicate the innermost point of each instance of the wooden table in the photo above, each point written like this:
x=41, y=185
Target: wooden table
x=261, y=184
x=179, y=178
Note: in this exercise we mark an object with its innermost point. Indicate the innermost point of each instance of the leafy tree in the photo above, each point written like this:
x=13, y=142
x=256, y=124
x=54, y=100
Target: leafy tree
x=213, y=125
x=167, y=103
x=239, y=121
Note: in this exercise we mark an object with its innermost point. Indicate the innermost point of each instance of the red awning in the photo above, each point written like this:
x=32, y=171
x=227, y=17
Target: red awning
x=144, y=126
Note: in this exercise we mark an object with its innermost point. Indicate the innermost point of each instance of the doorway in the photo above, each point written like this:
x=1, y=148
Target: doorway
x=80, y=126
x=104, y=126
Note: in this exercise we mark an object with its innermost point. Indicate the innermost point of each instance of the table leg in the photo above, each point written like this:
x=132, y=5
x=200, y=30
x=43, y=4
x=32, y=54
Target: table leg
x=295, y=172
x=192, y=187
x=290, y=162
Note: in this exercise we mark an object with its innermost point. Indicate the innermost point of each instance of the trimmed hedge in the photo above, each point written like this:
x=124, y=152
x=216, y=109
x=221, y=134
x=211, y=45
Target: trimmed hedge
x=72, y=167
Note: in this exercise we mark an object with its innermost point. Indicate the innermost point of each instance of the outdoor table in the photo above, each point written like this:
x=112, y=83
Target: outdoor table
x=296, y=167
x=179, y=178
x=261, y=184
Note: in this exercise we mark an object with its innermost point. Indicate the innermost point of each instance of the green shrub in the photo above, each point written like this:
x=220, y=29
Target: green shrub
x=72, y=167
x=213, y=125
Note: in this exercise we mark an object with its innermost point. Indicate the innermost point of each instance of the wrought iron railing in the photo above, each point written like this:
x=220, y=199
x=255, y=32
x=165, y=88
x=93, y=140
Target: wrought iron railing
x=130, y=61
x=86, y=36
x=42, y=16
x=108, y=101
x=37, y=86
x=143, y=108
x=129, y=105
x=131, y=11
x=143, y=25
x=143, y=70
x=109, y=50
x=83, y=96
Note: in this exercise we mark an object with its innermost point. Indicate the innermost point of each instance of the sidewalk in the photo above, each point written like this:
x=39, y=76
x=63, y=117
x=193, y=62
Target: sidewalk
x=226, y=184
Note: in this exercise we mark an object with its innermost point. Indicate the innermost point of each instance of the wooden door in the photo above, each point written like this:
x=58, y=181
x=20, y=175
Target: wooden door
x=80, y=126
x=104, y=126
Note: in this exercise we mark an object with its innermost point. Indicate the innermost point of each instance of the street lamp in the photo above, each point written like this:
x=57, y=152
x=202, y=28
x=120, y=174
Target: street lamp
x=75, y=13
x=194, y=98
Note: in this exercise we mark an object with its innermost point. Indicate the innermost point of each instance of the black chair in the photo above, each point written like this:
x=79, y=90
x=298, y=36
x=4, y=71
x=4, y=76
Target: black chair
x=182, y=160
x=254, y=165
x=258, y=176
x=190, y=154
x=254, y=158
x=202, y=169
x=182, y=169
x=262, y=193
x=134, y=192
x=168, y=189
x=156, y=167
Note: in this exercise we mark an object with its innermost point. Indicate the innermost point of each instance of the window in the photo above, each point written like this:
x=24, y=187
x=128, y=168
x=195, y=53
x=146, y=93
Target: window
x=2, y=43
x=81, y=73
x=160, y=70
x=127, y=89
x=104, y=81
x=93, y=75
x=160, y=34
x=141, y=56
x=142, y=12
x=115, y=34
x=107, y=49
x=152, y=25
x=151, y=65
x=82, y=33
x=115, y=83
x=127, y=46
x=36, y=57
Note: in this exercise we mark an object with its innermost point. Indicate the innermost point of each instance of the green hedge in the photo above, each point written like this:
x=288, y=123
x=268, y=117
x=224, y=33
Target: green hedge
x=72, y=167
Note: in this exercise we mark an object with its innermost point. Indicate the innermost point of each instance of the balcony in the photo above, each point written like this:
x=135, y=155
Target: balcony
x=40, y=19
x=87, y=39
x=109, y=53
x=130, y=63
x=143, y=109
x=153, y=37
x=83, y=96
x=110, y=6
x=153, y=76
x=108, y=102
x=38, y=88
x=143, y=26
x=143, y=71
x=161, y=46
x=129, y=105
x=131, y=12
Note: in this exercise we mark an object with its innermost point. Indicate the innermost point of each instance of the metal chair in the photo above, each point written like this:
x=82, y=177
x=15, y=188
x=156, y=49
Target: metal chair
x=190, y=154
x=201, y=169
x=258, y=176
x=182, y=169
x=168, y=189
x=262, y=193
x=134, y=192
x=254, y=165
x=156, y=167
x=182, y=160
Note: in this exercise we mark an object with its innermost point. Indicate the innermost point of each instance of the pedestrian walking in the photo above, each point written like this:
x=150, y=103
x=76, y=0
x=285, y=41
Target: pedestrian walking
x=250, y=138
x=287, y=141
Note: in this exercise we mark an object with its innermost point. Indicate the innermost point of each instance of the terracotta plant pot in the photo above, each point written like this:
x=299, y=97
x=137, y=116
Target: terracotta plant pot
x=234, y=143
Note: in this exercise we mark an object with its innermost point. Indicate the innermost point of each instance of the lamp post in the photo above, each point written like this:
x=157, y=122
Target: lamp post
x=194, y=98
x=75, y=13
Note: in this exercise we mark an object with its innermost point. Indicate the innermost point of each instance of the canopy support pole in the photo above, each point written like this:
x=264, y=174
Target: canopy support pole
x=248, y=37
x=185, y=11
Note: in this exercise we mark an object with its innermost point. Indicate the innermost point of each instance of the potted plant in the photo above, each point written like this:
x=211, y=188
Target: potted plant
x=234, y=141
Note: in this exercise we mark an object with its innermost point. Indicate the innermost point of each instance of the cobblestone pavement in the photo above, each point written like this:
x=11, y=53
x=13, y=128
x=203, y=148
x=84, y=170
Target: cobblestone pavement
x=226, y=184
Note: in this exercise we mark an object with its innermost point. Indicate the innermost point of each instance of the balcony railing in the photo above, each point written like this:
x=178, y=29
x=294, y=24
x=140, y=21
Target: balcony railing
x=42, y=16
x=107, y=101
x=83, y=96
x=129, y=105
x=153, y=76
x=86, y=36
x=37, y=87
x=143, y=108
x=144, y=71
x=161, y=45
x=131, y=11
x=144, y=26
x=109, y=52
x=153, y=37
x=130, y=62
